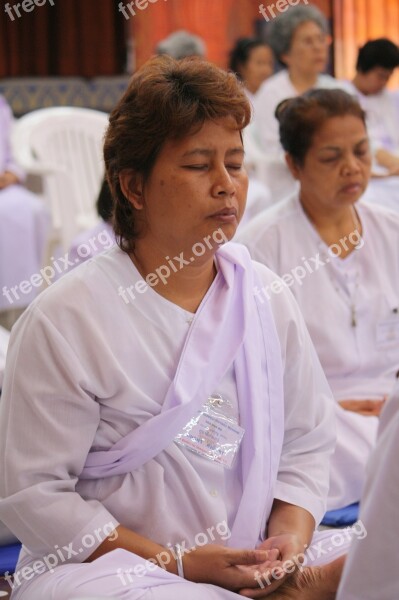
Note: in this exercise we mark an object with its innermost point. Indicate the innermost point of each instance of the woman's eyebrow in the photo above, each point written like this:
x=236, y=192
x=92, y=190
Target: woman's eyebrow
x=239, y=150
x=207, y=152
x=338, y=148
x=202, y=151
x=363, y=141
x=330, y=148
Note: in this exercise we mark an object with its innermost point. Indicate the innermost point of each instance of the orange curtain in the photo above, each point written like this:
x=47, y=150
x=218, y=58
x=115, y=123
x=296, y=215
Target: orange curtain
x=355, y=22
x=205, y=18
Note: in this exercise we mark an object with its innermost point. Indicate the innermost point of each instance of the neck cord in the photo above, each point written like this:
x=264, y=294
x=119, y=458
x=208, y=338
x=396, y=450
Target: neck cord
x=338, y=288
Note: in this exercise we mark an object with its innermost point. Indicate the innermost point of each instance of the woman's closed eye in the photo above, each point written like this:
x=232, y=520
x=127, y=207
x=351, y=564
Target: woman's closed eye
x=203, y=167
x=196, y=167
x=329, y=159
x=363, y=152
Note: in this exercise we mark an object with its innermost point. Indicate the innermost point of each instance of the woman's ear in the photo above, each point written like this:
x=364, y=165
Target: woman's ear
x=132, y=187
x=292, y=165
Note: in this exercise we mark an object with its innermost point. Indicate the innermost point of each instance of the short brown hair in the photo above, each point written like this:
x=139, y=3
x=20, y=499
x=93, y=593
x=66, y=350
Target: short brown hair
x=300, y=118
x=166, y=99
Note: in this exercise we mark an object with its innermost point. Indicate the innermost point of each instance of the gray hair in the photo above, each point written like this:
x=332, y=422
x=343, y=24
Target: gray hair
x=282, y=28
x=181, y=44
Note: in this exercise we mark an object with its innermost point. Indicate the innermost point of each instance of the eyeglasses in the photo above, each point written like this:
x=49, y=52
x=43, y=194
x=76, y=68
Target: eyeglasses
x=311, y=41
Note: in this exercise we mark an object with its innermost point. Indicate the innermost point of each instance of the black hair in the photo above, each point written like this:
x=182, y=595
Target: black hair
x=378, y=53
x=105, y=203
x=241, y=52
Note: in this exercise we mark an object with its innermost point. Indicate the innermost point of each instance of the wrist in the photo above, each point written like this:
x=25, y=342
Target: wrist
x=166, y=560
x=179, y=560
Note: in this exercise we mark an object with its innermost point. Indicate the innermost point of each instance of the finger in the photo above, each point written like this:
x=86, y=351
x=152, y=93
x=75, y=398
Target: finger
x=248, y=557
x=265, y=587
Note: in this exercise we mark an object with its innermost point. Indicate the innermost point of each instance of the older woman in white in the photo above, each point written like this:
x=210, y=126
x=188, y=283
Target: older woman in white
x=299, y=39
x=340, y=259
x=151, y=403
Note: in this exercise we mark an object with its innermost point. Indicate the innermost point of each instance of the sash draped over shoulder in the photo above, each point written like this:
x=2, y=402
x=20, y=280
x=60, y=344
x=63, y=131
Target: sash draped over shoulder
x=237, y=329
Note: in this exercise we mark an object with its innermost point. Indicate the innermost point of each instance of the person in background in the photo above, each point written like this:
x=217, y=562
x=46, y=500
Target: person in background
x=300, y=41
x=376, y=62
x=341, y=260
x=252, y=60
x=24, y=229
x=182, y=44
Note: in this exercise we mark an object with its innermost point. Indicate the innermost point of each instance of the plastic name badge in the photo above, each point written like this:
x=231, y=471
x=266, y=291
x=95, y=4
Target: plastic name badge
x=213, y=433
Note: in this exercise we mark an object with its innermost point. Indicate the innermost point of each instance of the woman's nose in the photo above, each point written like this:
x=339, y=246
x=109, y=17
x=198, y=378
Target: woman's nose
x=223, y=184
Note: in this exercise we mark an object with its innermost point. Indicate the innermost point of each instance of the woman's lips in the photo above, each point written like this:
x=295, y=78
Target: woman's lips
x=352, y=188
x=227, y=215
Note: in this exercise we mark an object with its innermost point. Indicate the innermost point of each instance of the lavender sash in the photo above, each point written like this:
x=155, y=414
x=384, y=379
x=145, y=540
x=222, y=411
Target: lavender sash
x=237, y=328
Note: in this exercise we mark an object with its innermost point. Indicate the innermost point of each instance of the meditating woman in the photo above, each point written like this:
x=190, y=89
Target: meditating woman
x=340, y=259
x=299, y=39
x=253, y=62
x=154, y=412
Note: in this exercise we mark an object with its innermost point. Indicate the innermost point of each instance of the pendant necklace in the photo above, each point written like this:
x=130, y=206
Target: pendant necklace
x=352, y=295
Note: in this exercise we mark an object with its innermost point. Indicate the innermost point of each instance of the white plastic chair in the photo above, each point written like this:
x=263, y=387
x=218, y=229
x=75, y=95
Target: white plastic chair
x=64, y=146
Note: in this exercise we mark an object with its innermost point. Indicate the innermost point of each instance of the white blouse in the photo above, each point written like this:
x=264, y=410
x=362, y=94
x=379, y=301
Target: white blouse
x=85, y=367
x=359, y=361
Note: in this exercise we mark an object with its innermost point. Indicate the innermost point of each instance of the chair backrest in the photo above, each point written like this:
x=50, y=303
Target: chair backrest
x=64, y=145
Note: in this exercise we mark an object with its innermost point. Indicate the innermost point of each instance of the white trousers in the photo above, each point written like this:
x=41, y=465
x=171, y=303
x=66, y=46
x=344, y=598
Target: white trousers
x=111, y=577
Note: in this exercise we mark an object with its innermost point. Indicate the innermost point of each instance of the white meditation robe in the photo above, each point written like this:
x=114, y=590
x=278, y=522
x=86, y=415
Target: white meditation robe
x=370, y=571
x=4, y=338
x=273, y=91
x=382, y=117
x=84, y=368
x=361, y=361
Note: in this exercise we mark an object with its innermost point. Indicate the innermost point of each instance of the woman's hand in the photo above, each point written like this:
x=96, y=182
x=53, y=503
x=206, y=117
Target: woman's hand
x=270, y=576
x=7, y=178
x=371, y=408
x=226, y=567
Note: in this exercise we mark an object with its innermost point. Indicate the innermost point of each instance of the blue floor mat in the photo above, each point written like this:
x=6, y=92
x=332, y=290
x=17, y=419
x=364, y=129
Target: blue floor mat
x=8, y=558
x=342, y=517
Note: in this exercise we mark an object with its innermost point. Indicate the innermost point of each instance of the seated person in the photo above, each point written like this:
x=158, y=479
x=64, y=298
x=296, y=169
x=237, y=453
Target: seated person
x=101, y=237
x=193, y=420
x=337, y=256
x=299, y=39
x=369, y=572
x=252, y=60
x=24, y=227
x=376, y=63
x=182, y=44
